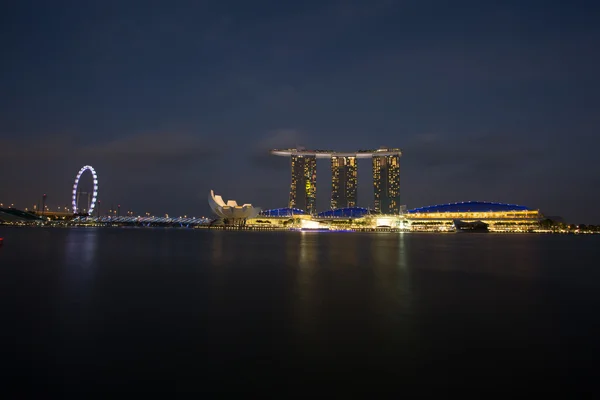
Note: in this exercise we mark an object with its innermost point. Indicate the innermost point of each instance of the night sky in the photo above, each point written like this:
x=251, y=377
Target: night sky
x=490, y=101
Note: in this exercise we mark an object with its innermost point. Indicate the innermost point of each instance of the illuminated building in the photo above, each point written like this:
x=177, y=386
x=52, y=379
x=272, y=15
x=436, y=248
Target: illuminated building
x=282, y=212
x=345, y=213
x=343, y=181
x=498, y=217
x=303, y=189
x=280, y=218
x=230, y=211
x=452, y=217
x=344, y=178
x=386, y=181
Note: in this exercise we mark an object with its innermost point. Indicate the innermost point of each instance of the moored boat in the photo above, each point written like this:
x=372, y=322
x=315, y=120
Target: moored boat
x=470, y=226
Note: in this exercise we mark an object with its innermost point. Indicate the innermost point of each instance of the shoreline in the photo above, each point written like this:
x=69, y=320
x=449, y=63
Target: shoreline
x=293, y=229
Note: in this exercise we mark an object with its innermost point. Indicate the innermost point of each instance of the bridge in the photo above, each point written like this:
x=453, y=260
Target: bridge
x=11, y=215
x=144, y=221
x=53, y=214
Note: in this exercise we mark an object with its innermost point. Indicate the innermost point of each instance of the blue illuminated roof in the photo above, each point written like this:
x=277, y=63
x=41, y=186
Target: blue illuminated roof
x=349, y=212
x=282, y=212
x=469, y=206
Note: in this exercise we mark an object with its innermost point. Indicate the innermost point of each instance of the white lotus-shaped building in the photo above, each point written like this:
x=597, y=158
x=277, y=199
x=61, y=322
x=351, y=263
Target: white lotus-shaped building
x=231, y=211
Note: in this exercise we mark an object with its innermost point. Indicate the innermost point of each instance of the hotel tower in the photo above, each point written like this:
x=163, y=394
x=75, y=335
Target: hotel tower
x=344, y=178
x=343, y=181
x=303, y=189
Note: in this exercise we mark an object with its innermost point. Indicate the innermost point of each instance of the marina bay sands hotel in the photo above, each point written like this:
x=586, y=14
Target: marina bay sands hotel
x=344, y=180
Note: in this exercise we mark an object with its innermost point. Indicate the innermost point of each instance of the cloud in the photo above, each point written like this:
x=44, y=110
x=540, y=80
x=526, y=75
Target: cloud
x=276, y=139
x=157, y=149
x=149, y=149
x=476, y=154
x=131, y=168
x=146, y=170
x=35, y=149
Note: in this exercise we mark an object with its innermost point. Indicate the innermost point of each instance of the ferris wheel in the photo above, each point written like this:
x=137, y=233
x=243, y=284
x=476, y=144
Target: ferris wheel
x=84, y=201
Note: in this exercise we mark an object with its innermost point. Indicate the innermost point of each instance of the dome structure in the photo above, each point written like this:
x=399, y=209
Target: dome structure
x=282, y=212
x=469, y=206
x=230, y=210
x=347, y=212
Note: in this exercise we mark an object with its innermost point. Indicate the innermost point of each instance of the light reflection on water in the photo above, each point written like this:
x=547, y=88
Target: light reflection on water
x=217, y=248
x=390, y=305
x=80, y=258
x=80, y=247
x=305, y=300
x=393, y=280
x=308, y=250
x=403, y=278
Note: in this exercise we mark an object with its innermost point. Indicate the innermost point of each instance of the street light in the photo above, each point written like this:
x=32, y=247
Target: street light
x=43, y=204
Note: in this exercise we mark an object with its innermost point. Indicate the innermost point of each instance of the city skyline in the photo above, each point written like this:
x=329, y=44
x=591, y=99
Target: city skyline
x=493, y=102
x=344, y=178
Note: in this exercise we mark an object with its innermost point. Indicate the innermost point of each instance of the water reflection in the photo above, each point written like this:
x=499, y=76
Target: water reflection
x=390, y=266
x=217, y=248
x=383, y=249
x=80, y=258
x=342, y=249
x=305, y=302
x=403, y=280
x=74, y=300
x=308, y=249
x=282, y=307
x=402, y=252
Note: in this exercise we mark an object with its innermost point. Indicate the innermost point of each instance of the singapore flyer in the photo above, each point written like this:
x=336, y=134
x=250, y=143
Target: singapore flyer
x=84, y=197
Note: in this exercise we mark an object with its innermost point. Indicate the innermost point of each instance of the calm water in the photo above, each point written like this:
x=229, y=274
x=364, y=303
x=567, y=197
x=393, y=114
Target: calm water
x=88, y=310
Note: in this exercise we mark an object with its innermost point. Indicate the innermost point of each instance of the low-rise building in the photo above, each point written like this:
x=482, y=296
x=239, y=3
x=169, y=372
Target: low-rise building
x=498, y=217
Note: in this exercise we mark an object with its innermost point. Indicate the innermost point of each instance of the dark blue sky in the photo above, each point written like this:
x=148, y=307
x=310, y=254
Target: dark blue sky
x=494, y=101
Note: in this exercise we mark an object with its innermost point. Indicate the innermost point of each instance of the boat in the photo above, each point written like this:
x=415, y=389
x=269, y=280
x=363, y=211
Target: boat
x=470, y=226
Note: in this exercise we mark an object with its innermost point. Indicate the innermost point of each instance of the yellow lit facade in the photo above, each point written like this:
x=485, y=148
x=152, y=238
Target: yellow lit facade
x=344, y=181
x=497, y=221
x=507, y=222
x=386, y=183
x=303, y=188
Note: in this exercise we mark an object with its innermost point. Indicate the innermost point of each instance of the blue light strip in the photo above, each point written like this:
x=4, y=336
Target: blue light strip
x=471, y=206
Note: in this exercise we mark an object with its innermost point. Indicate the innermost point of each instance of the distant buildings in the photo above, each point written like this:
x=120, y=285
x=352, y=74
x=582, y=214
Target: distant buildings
x=344, y=181
x=387, y=213
x=469, y=216
x=386, y=183
x=497, y=217
x=303, y=189
x=344, y=178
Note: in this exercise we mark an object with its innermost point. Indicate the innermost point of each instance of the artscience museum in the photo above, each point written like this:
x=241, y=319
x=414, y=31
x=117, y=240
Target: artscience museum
x=230, y=211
